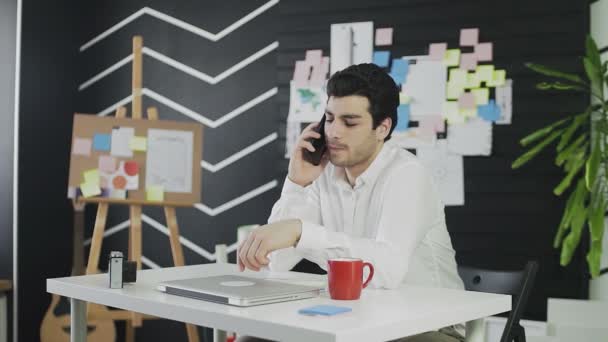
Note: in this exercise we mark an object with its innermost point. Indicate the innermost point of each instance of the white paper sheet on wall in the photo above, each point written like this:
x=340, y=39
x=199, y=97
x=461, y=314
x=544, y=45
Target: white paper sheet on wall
x=504, y=100
x=470, y=138
x=447, y=170
x=351, y=43
x=413, y=138
x=425, y=85
x=291, y=136
x=169, y=160
x=306, y=103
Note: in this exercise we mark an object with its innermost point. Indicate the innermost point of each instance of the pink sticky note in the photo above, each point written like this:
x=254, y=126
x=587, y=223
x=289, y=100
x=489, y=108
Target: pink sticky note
x=107, y=164
x=384, y=36
x=468, y=61
x=317, y=77
x=483, y=51
x=301, y=73
x=82, y=147
x=437, y=51
x=469, y=36
x=314, y=56
x=325, y=65
x=466, y=101
x=432, y=123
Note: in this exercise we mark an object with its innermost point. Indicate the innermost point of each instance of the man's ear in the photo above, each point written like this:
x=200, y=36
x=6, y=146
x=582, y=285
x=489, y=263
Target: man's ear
x=383, y=129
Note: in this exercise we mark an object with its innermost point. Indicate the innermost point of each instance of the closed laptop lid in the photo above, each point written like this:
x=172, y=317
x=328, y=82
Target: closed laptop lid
x=239, y=286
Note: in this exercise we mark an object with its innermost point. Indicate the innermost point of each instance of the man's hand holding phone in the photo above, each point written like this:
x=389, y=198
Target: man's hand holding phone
x=302, y=171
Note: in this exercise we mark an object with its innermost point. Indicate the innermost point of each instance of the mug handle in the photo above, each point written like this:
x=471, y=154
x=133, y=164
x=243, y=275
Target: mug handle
x=371, y=273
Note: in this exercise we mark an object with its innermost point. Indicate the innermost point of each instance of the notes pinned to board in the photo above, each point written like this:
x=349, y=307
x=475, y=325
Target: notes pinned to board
x=155, y=193
x=425, y=84
x=447, y=171
x=82, y=147
x=138, y=144
x=470, y=138
x=384, y=36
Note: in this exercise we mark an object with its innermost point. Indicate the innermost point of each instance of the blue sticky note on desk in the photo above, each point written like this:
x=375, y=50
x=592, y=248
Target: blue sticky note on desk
x=325, y=310
x=101, y=142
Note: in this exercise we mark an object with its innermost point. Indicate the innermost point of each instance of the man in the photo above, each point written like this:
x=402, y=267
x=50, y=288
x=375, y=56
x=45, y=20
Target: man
x=366, y=199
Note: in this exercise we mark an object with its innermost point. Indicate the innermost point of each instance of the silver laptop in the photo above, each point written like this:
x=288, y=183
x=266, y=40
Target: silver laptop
x=238, y=290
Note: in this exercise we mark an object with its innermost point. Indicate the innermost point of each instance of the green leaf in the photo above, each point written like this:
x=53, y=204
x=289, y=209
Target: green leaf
x=593, y=53
x=541, y=69
x=541, y=132
x=594, y=74
x=571, y=241
x=592, y=164
x=559, y=86
x=566, y=153
x=596, y=218
x=565, y=183
x=565, y=138
x=535, y=150
x=564, y=224
x=594, y=257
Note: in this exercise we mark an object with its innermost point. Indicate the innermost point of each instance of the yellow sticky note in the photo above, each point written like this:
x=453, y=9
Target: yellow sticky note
x=468, y=113
x=458, y=76
x=452, y=57
x=155, y=193
x=138, y=143
x=481, y=95
x=451, y=113
x=454, y=90
x=404, y=98
x=92, y=176
x=90, y=189
x=498, y=78
x=485, y=72
x=472, y=81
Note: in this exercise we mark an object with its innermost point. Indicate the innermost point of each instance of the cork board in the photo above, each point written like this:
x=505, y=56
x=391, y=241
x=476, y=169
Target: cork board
x=163, y=168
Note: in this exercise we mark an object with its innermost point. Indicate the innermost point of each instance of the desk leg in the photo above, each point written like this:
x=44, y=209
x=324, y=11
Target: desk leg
x=3, y=318
x=78, y=328
x=476, y=331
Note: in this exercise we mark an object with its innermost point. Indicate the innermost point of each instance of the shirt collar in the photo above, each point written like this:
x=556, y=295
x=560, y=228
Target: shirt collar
x=368, y=176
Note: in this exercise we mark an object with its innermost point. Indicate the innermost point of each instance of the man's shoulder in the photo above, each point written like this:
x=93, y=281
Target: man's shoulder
x=401, y=159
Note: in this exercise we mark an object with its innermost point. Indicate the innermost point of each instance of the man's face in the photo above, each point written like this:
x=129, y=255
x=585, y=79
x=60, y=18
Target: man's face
x=351, y=141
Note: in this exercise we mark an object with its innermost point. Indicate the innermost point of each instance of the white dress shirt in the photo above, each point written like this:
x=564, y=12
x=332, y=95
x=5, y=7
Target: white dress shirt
x=393, y=218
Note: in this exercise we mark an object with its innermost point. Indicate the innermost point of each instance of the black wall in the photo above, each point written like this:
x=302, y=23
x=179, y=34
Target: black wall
x=509, y=216
x=48, y=84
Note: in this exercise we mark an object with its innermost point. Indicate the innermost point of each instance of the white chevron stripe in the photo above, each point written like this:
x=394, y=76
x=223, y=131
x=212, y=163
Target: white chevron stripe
x=182, y=67
x=106, y=72
x=149, y=262
x=189, y=112
x=181, y=24
x=111, y=231
x=187, y=243
x=211, y=212
x=233, y=203
x=233, y=158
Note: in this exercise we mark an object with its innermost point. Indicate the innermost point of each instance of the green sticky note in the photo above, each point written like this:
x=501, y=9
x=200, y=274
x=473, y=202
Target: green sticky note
x=472, y=81
x=155, y=193
x=138, y=143
x=498, y=78
x=485, y=72
x=454, y=90
x=452, y=57
x=90, y=189
x=481, y=95
x=404, y=98
x=468, y=113
x=92, y=176
x=458, y=76
x=451, y=112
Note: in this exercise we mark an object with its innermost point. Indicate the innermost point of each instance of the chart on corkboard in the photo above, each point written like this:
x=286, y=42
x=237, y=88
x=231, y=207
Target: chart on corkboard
x=135, y=161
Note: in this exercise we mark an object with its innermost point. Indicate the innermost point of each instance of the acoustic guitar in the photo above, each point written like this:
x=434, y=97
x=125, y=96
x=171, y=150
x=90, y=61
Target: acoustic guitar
x=56, y=322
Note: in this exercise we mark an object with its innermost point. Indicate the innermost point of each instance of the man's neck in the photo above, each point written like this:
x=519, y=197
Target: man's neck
x=356, y=170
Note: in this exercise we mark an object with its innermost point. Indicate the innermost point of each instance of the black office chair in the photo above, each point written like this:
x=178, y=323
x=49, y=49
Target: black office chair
x=518, y=284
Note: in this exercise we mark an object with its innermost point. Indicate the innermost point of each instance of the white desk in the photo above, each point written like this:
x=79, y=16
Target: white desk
x=379, y=315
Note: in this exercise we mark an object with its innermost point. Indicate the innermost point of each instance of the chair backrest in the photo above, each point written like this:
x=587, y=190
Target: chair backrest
x=518, y=284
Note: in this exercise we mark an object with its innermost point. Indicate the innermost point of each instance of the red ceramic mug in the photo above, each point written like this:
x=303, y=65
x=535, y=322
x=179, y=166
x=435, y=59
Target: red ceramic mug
x=345, y=277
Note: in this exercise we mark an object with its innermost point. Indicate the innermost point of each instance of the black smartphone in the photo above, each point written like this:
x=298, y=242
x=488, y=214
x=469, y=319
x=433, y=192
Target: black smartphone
x=319, y=144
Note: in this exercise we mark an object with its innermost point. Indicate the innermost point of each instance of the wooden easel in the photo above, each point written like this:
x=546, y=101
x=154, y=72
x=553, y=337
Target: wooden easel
x=135, y=233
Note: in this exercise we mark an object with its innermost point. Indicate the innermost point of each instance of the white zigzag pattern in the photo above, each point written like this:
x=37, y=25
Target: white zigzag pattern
x=181, y=24
x=242, y=153
x=182, y=67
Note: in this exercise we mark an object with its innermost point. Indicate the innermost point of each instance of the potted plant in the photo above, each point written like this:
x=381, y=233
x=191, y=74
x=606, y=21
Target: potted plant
x=581, y=141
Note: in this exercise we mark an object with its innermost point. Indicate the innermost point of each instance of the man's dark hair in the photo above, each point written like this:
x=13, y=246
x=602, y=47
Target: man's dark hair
x=370, y=81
